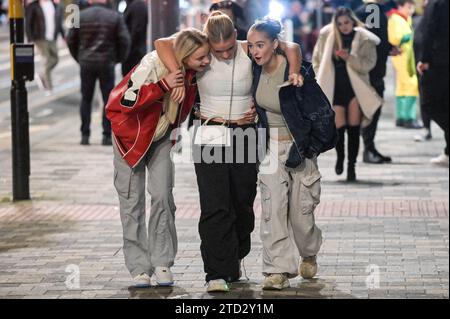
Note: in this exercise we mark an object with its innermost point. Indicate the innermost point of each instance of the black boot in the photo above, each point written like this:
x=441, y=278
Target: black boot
x=340, y=151
x=353, y=133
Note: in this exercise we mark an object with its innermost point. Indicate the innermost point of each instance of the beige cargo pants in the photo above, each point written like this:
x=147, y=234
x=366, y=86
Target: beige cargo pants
x=289, y=198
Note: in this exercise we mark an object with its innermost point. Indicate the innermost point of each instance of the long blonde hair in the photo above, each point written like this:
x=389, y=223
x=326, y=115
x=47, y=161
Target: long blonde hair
x=340, y=12
x=187, y=42
x=219, y=27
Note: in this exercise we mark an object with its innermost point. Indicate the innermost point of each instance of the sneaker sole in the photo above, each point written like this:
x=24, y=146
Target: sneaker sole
x=165, y=284
x=277, y=287
x=218, y=290
x=142, y=286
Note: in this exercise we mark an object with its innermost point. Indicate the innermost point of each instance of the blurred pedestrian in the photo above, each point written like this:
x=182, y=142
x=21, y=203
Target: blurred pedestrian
x=433, y=66
x=418, y=47
x=233, y=10
x=3, y=11
x=343, y=57
x=43, y=25
x=143, y=115
x=380, y=28
x=136, y=19
x=400, y=34
x=101, y=41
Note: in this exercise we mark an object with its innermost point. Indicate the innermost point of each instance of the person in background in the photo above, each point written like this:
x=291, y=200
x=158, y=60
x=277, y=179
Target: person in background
x=371, y=155
x=433, y=67
x=400, y=33
x=343, y=57
x=233, y=10
x=136, y=19
x=43, y=25
x=101, y=41
x=424, y=109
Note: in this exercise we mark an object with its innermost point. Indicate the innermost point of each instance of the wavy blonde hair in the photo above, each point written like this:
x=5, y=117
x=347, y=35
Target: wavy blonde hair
x=187, y=42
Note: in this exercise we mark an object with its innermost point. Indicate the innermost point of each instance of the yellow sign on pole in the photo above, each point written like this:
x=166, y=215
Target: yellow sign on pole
x=15, y=9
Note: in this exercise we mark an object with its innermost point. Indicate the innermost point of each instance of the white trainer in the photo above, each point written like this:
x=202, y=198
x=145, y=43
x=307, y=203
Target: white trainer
x=164, y=276
x=440, y=160
x=142, y=281
x=217, y=285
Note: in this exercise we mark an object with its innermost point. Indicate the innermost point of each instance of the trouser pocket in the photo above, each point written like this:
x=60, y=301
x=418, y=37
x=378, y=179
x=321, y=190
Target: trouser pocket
x=310, y=188
x=122, y=176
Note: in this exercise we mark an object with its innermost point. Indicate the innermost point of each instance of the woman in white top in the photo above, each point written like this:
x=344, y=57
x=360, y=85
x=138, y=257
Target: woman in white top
x=227, y=186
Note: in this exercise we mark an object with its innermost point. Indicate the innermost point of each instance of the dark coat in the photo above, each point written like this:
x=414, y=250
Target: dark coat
x=379, y=71
x=102, y=38
x=307, y=113
x=136, y=20
x=435, y=34
x=35, y=22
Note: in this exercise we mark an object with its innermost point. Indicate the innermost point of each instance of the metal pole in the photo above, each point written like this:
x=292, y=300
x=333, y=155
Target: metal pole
x=19, y=112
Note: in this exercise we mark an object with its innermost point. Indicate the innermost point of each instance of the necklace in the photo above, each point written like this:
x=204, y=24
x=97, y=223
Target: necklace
x=268, y=77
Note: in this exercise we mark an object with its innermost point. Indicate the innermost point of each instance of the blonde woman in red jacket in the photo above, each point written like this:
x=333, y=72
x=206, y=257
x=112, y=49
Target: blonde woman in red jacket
x=142, y=115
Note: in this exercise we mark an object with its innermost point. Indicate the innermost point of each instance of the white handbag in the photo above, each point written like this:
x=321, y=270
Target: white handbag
x=216, y=135
x=213, y=135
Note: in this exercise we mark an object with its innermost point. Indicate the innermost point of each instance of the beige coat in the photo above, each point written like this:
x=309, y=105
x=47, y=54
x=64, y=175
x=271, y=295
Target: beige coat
x=363, y=57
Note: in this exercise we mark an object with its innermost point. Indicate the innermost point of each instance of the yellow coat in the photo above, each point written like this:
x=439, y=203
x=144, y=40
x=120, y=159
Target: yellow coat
x=404, y=64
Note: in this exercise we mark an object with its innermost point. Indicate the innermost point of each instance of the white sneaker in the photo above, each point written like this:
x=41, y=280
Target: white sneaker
x=419, y=138
x=440, y=160
x=164, y=276
x=217, y=285
x=276, y=282
x=142, y=281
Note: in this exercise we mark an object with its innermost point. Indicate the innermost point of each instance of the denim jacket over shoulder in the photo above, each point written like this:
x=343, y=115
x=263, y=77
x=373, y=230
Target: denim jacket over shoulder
x=307, y=113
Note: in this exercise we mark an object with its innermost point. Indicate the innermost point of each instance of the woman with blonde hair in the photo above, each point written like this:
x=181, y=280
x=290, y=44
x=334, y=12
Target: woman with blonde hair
x=227, y=187
x=344, y=55
x=142, y=115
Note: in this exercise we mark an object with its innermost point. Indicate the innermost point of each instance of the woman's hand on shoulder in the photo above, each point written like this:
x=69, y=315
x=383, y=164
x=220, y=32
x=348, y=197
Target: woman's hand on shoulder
x=296, y=79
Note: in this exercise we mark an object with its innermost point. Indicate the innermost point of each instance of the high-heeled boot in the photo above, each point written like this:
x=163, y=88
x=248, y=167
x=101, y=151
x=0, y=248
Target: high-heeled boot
x=353, y=134
x=340, y=151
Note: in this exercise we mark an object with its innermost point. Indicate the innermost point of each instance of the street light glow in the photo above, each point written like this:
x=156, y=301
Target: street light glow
x=276, y=10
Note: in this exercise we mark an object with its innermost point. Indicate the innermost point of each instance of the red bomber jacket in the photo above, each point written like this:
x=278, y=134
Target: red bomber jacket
x=133, y=126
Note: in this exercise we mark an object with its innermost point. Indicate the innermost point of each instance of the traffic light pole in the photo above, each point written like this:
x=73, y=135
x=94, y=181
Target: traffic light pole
x=19, y=111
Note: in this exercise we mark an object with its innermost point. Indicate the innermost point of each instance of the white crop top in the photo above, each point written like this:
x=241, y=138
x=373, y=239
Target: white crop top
x=214, y=86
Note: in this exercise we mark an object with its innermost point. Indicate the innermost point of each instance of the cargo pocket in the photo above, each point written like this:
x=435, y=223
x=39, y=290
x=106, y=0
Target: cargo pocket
x=266, y=201
x=122, y=181
x=310, y=193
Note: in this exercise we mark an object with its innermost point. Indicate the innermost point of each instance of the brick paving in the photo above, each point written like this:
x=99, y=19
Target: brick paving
x=384, y=237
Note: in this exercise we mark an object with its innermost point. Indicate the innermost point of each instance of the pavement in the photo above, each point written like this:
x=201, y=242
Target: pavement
x=385, y=236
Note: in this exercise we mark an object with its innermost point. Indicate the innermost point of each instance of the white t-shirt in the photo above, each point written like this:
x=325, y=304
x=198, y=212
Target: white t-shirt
x=49, y=14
